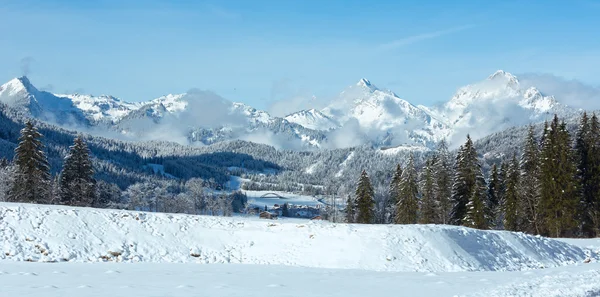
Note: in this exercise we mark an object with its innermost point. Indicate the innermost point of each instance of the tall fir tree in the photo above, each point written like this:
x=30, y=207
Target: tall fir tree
x=442, y=176
x=468, y=172
x=32, y=173
x=510, y=203
x=493, y=197
x=559, y=195
x=394, y=194
x=476, y=216
x=529, y=189
x=502, y=181
x=408, y=206
x=77, y=183
x=350, y=210
x=428, y=207
x=592, y=203
x=365, y=200
x=588, y=165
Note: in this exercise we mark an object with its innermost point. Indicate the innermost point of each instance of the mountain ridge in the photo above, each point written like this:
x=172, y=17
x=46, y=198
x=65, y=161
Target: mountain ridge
x=362, y=113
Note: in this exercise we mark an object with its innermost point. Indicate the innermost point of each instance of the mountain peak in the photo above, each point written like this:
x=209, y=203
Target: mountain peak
x=16, y=85
x=501, y=74
x=363, y=82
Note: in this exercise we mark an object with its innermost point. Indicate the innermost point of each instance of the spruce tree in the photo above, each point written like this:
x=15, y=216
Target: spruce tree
x=588, y=162
x=592, y=203
x=529, y=189
x=365, y=201
x=559, y=196
x=350, y=210
x=428, y=207
x=510, y=203
x=493, y=196
x=408, y=206
x=32, y=173
x=394, y=193
x=77, y=183
x=468, y=172
x=475, y=216
x=442, y=172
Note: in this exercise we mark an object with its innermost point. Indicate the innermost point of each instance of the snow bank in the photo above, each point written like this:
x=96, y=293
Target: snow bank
x=54, y=234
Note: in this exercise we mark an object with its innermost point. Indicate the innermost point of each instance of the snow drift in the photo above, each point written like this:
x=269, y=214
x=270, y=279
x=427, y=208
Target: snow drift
x=55, y=234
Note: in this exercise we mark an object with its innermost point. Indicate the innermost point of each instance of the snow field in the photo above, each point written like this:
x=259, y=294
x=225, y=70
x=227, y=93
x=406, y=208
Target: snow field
x=39, y=233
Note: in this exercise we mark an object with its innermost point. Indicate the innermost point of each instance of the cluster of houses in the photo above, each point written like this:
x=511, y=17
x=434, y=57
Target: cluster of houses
x=293, y=211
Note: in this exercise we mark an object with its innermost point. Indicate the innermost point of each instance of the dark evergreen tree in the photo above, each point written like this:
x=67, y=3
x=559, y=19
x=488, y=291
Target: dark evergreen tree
x=529, y=190
x=428, y=207
x=350, y=210
x=408, y=206
x=493, y=197
x=510, y=202
x=443, y=182
x=475, y=216
x=467, y=173
x=592, y=203
x=365, y=202
x=588, y=165
x=559, y=195
x=394, y=194
x=77, y=183
x=32, y=172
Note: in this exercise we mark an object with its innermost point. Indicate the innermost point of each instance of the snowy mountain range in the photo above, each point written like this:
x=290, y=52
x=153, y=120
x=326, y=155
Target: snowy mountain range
x=360, y=114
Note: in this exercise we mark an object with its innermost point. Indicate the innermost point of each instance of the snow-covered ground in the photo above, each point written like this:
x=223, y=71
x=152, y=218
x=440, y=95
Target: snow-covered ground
x=186, y=280
x=88, y=248
x=57, y=234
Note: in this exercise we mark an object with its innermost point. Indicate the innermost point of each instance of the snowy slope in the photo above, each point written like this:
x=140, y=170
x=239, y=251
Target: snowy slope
x=384, y=117
x=54, y=233
x=312, y=119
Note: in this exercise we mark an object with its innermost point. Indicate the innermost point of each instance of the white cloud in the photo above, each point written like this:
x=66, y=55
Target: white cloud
x=421, y=37
x=573, y=93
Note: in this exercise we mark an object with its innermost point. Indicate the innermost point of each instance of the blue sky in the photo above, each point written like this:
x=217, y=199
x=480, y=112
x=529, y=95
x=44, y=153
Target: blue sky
x=260, y=51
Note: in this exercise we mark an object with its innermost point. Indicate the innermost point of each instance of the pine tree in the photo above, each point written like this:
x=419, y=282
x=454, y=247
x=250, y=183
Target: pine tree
x=529, y=189
x=408, y=206
x=77, y=183
x=510, y=203
x=442, y=172
x=428, y=213
x=468, y=172
x=502, y=181
x=493, y=196
x=365, y=202
x=394, y=193
x=32, y=172
x=592, y=204
x=588, y=162
x=559, y=197
x=475, y=216
x=350, y=210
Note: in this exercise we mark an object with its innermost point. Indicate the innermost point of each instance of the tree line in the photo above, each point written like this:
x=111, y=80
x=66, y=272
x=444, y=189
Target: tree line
x=28, y=179
x=552, y=188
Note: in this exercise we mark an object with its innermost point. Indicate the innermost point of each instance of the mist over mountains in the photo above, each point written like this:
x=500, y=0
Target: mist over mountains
x=361, y=114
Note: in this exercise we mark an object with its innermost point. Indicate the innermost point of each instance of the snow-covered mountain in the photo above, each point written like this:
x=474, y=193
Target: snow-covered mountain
x=313, y=119
x=497, y=103
x=362, y=113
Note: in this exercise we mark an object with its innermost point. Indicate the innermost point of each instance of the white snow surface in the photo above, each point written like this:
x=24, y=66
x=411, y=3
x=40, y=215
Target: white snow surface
x=312, y=119
x=186, y=280
x=59, y=234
